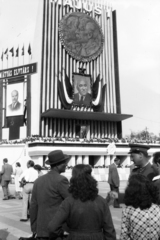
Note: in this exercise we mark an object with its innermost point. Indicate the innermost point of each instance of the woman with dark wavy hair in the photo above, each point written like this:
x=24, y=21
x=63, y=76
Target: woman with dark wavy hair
x=141, y=216
x=86, y=213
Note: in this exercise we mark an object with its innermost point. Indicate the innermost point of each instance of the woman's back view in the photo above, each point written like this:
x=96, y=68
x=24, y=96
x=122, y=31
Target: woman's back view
x=85, y=212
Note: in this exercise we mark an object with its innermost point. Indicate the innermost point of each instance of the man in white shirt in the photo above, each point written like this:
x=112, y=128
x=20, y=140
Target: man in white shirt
x=29, y=175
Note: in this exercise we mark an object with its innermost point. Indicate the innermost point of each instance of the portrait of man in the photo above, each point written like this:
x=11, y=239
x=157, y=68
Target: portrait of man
x=82, y=95
x=14, y=105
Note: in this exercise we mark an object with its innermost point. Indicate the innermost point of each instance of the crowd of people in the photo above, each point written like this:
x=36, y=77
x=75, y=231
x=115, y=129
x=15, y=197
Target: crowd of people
x=59, y=209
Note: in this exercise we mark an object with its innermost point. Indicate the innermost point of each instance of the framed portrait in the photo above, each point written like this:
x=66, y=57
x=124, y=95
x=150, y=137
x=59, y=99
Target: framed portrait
x=15, y=99
x=82, y=90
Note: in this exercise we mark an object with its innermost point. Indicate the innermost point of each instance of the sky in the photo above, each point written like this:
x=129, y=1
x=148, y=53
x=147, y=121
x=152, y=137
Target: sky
x=138, y=50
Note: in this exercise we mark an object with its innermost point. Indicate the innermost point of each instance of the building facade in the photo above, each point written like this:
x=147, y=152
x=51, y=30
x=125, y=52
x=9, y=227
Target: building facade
x=74, y=54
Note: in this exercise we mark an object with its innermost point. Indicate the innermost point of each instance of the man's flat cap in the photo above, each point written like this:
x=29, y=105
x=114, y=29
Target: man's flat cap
x=138, y=148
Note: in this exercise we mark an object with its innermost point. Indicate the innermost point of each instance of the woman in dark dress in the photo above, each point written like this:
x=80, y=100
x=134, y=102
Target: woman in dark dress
x=86, y=213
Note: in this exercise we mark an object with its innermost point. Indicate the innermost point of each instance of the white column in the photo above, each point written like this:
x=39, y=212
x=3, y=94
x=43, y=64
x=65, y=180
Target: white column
x=86, y=160
x=127, y=161
x=79, y=159
x=72, y=161
x=5, y=133
x=107, y=160
x=99, y=161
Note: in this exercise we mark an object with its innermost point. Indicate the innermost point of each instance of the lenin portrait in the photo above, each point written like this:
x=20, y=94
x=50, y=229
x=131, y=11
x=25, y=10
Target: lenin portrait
x=14, y=99
x=15, y=105
x=82, y=90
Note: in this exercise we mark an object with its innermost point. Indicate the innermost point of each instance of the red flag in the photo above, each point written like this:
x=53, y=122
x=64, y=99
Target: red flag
x=12, y=51
x=17, y=52
x=23, y=51
x=29, y=49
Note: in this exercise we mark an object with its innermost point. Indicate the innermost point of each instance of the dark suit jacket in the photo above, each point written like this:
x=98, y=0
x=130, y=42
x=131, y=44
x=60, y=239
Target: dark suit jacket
x=6, y=173
x=147, y=171
x=48, y=193
x=113, y=177
x=17, y=107
x=85, y=102
x=86, y=220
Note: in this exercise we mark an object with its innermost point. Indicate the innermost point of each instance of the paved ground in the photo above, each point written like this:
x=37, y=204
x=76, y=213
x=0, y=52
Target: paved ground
x=10, y=213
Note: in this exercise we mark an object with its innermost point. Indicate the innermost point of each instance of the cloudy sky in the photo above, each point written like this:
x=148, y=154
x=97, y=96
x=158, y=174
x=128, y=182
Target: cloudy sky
x=139, y=53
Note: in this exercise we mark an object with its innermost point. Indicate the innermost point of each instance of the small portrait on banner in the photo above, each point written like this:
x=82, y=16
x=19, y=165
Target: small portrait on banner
x=14, y=99
x=82, y=95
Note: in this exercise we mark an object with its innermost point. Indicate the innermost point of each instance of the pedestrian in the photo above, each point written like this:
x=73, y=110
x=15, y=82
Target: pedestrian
x=86, y=213
x=6, y=172
x=141, y=216
x=48, y=193
x=114, y=181
x=139, y=156
x=39, y=169
x=28, y=176
x=18, y=171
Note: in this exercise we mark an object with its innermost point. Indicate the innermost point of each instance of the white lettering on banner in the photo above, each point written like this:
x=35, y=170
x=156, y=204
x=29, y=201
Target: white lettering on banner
x=21, y=71
x=98, y=10
x=90, y=6
x=68, y=2
x=78, y=4
x=7, y=73
x=111, y=148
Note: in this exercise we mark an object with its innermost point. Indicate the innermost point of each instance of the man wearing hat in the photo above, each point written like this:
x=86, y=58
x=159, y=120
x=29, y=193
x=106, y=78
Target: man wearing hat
x=48, y=193
x=139, y=156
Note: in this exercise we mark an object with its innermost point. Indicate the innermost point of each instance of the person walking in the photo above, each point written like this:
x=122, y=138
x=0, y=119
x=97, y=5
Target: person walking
x=28, y=176
x=6, y=172
x=48, y=193
x=18, y=171
x=141, y=216
x=86, y=213
x=114, y=181
x=139, y=156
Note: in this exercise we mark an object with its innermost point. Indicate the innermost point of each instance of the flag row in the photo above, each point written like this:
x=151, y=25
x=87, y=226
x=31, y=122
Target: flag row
x=15, y=53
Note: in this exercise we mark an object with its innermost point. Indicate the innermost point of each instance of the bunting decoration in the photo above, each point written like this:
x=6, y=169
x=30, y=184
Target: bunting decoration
x=25, y=112
x=65, y=90
x=12, y=51
x=17, y=52
x=23, y=50
x=29, y=49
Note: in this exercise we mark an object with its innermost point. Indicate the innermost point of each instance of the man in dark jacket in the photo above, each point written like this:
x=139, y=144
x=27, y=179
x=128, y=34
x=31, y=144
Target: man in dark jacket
x=139, y=156
x=113, y=180
x=48, y=193
x=6, y=173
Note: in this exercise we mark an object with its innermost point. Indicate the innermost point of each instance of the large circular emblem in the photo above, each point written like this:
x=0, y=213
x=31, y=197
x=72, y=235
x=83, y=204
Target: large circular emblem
x=81, y=36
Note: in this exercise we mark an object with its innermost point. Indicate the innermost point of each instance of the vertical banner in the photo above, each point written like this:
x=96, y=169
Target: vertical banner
x=14, y=123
